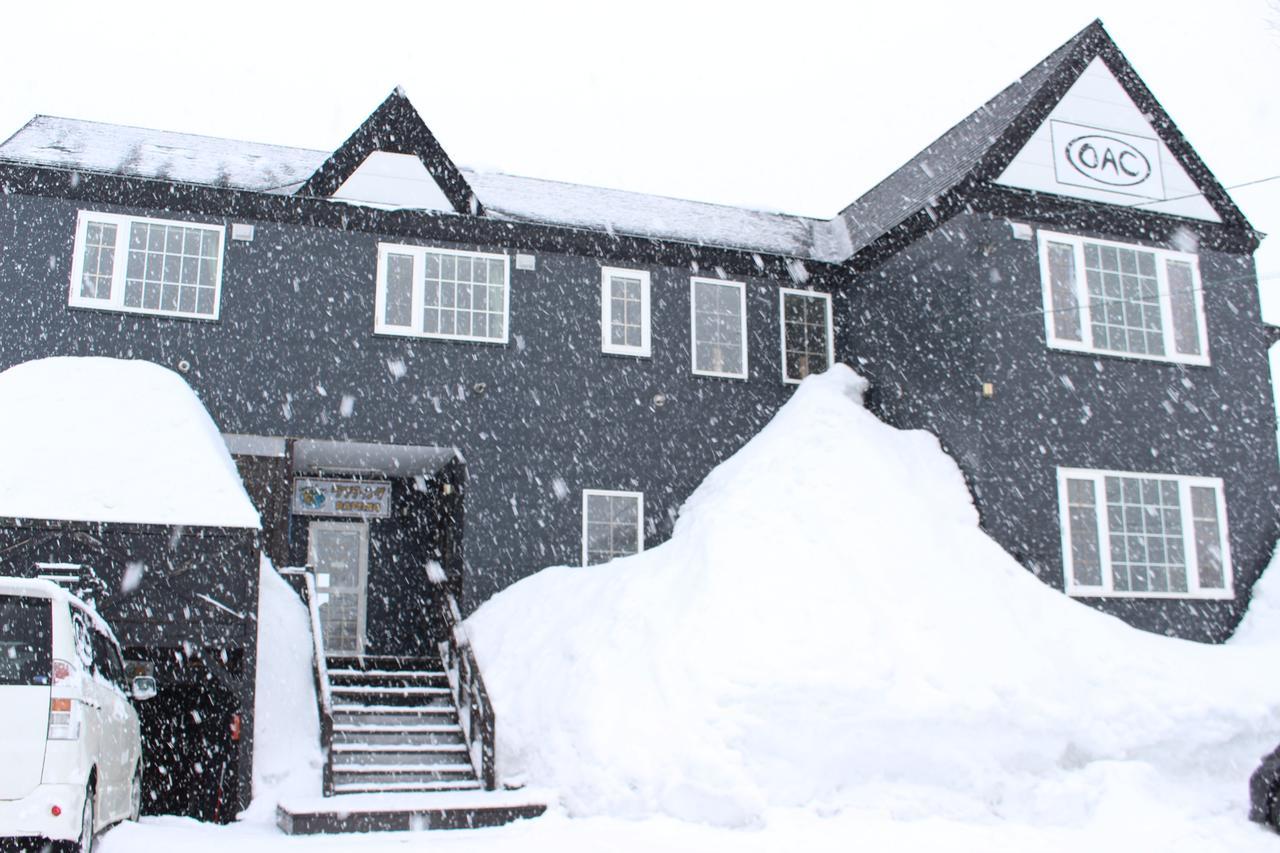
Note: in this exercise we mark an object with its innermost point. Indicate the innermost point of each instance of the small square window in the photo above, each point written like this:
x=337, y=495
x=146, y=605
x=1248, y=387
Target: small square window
x=718, y=327
x=624, y=312
x=806, y=333
x=612, y=525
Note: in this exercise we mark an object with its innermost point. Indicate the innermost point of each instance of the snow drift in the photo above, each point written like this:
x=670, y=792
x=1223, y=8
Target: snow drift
x=828, y=625
x=287, y=760
x=102, y=439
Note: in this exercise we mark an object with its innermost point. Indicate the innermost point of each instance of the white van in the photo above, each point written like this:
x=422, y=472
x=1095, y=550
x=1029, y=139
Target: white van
x=70, y=749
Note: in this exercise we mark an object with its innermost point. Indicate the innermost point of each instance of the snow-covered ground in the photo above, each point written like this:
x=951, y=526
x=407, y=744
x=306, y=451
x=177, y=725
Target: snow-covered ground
x=827, y=652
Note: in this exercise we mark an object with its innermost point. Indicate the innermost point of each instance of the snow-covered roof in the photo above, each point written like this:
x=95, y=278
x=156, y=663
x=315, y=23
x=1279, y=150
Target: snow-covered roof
x=190, y=158
x=100, y=439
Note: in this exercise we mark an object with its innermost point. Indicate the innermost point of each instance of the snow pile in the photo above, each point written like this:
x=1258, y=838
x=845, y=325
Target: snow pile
x=1261, y=624
x=829, y=627
x=100, y=439
x=287, y=760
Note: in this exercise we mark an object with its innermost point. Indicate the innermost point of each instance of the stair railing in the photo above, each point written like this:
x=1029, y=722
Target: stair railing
x=321, y=673
x=475, y=712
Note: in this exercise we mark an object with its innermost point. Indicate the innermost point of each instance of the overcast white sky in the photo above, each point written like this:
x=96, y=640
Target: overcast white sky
x=795, y=106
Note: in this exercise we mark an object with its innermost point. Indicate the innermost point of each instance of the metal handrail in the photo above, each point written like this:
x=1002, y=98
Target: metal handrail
x=475, y=711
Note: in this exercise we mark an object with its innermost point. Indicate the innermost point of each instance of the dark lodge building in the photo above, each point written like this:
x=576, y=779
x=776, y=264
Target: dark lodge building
x=421, y=368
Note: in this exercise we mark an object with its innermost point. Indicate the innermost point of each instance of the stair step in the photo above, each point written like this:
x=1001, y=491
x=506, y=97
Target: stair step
x=405, y=787
x=376, y=662
x=348, y=707
x=443, y=715
x=408, y=729
x=411, y=673
x=373, y=690
x=451, y=735
x=404, y=747
x=378, y=769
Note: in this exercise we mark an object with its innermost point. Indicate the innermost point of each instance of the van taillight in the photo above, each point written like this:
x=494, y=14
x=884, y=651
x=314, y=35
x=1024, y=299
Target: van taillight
x=61, y=671
x=64, y=719
x=235, y=727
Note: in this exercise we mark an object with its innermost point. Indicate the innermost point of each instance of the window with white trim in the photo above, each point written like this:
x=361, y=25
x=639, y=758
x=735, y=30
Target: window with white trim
x=146, y=266
x=624, y=311
x=718, y=327
x=806, y=333
x=1122, y=299
x=612, y=525
x=441, y=293
x=1143, y=535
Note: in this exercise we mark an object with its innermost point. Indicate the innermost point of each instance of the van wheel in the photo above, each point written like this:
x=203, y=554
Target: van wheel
x=87, y=819
x=135, y=795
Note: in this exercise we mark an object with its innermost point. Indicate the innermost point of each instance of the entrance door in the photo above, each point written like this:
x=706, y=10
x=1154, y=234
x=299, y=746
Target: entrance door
x=339, y=551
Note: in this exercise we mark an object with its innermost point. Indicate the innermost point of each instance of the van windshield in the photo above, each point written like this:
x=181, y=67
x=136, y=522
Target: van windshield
x=26, y=640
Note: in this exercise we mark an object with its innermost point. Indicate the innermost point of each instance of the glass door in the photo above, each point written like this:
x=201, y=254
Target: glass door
x=339, y=553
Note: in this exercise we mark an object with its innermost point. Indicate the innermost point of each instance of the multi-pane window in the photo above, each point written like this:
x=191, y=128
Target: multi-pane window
x=624, y=311
x=719, y=327
x=806, y=333
x=612, y=525
x=1109, y=297
x=440, y=293
x=1151, y=535
x=148, y=266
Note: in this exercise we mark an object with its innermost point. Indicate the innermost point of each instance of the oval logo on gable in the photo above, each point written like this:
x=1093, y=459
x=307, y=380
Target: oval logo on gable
x=1108, y=160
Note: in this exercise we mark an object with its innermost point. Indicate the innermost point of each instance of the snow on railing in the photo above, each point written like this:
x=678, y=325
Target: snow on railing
x=321, y=670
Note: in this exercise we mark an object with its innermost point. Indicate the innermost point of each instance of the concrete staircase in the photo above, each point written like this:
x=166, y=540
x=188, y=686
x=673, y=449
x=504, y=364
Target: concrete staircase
x=395, y=728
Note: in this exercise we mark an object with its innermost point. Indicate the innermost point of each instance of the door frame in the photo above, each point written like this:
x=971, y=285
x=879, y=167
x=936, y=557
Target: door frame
x=346, y=525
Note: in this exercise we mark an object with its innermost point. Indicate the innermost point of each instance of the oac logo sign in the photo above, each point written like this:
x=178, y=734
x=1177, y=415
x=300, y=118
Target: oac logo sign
x=1106, y=160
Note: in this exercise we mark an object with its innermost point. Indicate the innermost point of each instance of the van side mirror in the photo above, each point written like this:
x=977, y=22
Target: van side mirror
x=144, y=687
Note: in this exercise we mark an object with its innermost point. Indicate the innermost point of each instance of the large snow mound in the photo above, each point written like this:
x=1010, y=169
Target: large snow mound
x=828, y=625
x=101, y=439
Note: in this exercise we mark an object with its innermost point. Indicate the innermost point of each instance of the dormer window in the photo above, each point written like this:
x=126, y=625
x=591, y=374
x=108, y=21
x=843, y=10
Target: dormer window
x=1121, y=299
x=146, y=266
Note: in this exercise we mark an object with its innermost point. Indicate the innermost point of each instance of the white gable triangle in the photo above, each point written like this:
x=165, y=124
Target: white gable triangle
x=1097, y=145
x=393, y=180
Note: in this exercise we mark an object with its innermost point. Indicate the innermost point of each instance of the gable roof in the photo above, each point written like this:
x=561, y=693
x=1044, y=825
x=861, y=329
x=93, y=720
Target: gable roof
x=977, y=149
x=395, y=127
x=970, y=155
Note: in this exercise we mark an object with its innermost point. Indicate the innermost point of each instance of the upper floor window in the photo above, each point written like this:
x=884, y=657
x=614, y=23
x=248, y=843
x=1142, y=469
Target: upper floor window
x=148, y=266
x=719, y=327
x=624, y=311
x=612, y=525
x=1128, y=300
x=1143, y=535
x=440, y=293
x=806, y=333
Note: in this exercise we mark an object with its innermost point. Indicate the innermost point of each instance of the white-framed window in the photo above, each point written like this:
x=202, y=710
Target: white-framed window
x=807, y=347
x=1122, y=299
x=612, y=525
x=441, y=293
x=624, y=311
x=1127, y=534
x=718, y=327
x=146, y=266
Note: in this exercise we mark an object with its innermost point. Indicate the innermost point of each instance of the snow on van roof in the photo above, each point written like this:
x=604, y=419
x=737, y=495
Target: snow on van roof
x=100, y=439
